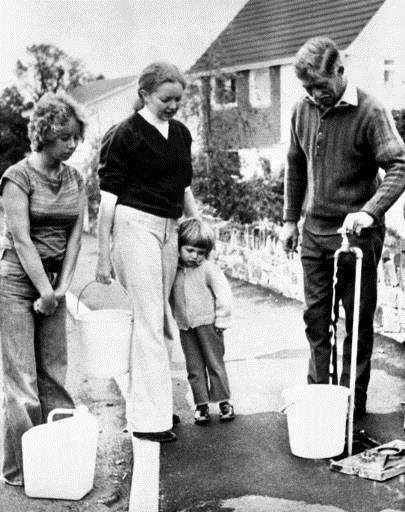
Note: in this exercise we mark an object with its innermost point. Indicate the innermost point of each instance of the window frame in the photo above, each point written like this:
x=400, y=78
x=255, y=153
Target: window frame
x=254, y=102
x=389, y=73
x=216, y=102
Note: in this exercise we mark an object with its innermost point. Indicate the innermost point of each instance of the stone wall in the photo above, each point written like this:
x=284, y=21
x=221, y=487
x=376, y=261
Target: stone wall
x=254, y=254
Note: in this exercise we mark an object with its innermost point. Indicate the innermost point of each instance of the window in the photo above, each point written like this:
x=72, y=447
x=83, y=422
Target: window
x=224, y=88
x=389, y=73
x=260, y=87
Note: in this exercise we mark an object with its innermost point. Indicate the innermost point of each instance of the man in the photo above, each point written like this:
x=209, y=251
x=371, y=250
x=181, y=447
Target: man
x=340, y=137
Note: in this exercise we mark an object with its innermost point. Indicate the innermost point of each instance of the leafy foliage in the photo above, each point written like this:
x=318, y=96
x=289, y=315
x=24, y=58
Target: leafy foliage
x=47, y=68
x=14, y=143
x=92, y=185
x=218, y=183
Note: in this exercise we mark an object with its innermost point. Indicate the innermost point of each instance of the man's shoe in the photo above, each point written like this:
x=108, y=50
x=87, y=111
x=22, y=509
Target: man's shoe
x=201, y=415
x=159, y=437
x=226, y=412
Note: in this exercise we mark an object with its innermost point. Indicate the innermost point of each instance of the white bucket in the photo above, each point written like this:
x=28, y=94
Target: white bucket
x=104, y=341
x=59, y=457
x=316, y=418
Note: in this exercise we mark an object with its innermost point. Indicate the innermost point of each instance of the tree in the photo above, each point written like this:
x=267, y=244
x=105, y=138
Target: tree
x=47, y=68
x=14, y=143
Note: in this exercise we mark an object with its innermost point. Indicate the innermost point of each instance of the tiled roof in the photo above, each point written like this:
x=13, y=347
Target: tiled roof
x=93, y=90
x=266, y=30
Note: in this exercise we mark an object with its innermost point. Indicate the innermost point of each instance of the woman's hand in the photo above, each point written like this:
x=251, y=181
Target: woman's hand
x=59, y=294
x=190, y=206
x=104, y=271
x=46, y=304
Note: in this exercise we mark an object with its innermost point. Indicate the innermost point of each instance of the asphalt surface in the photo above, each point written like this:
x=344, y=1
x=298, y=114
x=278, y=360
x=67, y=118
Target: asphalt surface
x=245, y=465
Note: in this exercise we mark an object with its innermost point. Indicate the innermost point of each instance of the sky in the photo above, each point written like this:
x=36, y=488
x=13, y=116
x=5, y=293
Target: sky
x=113, y=37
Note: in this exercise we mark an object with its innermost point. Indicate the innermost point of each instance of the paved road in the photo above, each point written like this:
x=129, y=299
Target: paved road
x=247, y=465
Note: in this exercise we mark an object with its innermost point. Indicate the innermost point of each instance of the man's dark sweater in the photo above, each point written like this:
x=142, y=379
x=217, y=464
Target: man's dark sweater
x=333, y=160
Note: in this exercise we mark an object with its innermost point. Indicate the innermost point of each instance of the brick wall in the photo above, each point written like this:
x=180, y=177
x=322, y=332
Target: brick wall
x=243, y=125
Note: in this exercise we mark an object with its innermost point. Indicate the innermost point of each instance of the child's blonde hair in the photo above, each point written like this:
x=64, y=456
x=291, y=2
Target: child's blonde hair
x=196, y=233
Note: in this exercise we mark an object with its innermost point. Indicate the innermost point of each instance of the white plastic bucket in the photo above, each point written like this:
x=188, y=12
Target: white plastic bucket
x=316, y=418
x=59, y=457
x=104, y=340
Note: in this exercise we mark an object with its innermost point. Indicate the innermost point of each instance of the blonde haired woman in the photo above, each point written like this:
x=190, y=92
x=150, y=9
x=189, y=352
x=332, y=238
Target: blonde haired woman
x=145, y=176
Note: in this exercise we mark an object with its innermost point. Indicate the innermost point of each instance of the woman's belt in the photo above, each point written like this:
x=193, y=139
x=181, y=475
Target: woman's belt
x=49, y=264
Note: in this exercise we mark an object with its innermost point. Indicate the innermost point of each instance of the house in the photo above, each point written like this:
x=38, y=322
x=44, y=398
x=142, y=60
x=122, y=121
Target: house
x=247, y=77
x=106, y=102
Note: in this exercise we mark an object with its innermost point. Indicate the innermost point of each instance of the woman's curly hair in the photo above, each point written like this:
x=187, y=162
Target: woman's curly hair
x=50, y=115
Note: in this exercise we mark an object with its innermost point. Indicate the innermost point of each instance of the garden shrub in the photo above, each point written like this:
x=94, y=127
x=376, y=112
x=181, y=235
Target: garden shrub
x=218, y=182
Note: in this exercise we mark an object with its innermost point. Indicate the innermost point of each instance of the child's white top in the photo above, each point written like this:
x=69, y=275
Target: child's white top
x=201, y=296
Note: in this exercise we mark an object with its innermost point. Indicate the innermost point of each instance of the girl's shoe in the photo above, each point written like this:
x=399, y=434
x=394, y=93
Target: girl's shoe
x=226, y=412
x=201, y=415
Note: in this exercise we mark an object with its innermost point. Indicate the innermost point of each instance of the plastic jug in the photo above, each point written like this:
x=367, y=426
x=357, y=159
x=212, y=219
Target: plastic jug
x=59, y=457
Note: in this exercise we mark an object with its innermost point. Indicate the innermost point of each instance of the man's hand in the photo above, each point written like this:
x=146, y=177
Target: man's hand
x=355, y=222
x=289, y=236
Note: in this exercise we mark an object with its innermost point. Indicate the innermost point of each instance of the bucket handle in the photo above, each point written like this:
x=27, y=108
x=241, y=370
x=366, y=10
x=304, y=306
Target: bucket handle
x=112, y=281
x=286, y=406
x=71, y=412
x=59, y=411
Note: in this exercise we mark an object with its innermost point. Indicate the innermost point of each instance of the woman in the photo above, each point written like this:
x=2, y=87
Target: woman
x=43, y=200
x=145, y=174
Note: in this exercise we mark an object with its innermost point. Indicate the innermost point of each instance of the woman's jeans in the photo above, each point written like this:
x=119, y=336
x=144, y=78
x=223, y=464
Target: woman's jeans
x=145, y=255
x=317, y=256
x=34, y=363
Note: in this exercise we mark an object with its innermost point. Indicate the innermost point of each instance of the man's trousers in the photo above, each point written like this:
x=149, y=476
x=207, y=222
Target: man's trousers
x=317, y=256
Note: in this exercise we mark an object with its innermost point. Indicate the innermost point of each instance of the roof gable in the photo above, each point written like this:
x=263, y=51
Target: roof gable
x=98, y=88
x=266, y=30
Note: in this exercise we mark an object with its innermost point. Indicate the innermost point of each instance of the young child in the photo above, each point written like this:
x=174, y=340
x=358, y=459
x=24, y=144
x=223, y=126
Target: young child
x=201, y=301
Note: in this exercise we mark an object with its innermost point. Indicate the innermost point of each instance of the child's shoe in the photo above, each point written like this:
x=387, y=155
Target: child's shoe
x=226, y=412
x=201, y=415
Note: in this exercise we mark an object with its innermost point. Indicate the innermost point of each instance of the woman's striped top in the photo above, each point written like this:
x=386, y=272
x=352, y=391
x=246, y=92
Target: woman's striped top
x=53, y=206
